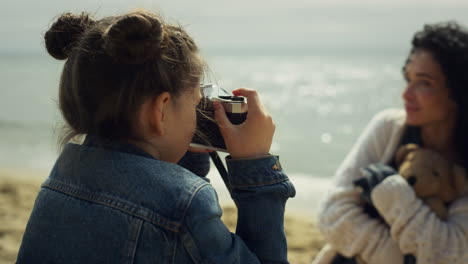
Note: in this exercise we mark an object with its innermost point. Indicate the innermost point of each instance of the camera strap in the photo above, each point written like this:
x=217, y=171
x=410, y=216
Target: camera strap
x=221, y=169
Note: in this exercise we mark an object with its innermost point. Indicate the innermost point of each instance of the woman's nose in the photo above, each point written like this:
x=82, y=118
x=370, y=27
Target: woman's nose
x=408, y=93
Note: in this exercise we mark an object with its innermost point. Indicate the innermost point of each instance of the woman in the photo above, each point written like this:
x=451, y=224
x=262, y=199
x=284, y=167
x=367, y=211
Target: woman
x=131, y=84
x=436, y=117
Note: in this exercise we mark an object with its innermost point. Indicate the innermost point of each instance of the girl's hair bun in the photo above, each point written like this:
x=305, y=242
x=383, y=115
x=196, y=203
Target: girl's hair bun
x=64, y=34
x=134, y=38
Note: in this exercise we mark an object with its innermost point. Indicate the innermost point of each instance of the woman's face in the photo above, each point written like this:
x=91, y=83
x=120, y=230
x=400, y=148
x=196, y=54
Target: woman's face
x=426, y=97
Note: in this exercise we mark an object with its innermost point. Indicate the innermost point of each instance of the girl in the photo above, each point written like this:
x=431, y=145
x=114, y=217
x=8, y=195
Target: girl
x=131, y=84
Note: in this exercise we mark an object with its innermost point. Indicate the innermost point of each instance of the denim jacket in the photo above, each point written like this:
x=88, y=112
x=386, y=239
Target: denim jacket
x=111, y=202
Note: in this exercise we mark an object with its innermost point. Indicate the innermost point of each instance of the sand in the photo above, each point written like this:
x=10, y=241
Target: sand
x=18, y=191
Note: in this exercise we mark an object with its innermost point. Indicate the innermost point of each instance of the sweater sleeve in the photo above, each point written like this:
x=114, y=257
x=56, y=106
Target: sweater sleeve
x=417, y=229
x=342, y=221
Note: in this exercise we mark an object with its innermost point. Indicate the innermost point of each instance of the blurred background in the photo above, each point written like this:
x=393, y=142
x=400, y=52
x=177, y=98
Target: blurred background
x=323, y=68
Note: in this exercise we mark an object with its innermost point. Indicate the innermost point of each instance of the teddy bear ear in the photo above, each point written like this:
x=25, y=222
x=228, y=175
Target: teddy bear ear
x=403, y=151
x=459, y=178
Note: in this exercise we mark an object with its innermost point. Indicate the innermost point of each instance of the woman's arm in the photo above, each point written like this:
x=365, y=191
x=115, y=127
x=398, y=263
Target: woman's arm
x=342, y=220
x=417, y=229
x=260, y=190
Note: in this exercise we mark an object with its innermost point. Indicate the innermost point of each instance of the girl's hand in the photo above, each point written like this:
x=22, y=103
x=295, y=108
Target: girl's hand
x=254, y=136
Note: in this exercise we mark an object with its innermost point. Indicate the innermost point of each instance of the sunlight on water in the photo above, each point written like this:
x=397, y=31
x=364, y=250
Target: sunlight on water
x=319, y=104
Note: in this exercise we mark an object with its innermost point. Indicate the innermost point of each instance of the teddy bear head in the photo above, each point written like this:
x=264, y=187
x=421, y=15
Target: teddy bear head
x=429, y=173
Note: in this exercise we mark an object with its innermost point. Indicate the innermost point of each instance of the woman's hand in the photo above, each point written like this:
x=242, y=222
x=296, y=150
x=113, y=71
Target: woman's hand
x=253, y=137
x=372, y=175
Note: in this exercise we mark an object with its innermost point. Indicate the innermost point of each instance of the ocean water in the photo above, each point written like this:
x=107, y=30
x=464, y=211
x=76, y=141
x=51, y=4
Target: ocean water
x=319, y=102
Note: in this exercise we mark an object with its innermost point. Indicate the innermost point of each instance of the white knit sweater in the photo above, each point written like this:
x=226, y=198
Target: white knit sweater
x=414, y=229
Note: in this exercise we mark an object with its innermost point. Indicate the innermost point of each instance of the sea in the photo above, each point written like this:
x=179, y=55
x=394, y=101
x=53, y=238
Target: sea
x=320, y=103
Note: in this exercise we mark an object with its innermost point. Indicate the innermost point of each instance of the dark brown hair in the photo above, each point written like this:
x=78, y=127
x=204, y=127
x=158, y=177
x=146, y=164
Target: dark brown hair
x=114, y=64
x=448, y=44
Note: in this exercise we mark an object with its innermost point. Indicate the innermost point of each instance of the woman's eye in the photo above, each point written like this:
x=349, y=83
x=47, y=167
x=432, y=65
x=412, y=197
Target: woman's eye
x=423, y=86
x=419, y=83
x=424, y=83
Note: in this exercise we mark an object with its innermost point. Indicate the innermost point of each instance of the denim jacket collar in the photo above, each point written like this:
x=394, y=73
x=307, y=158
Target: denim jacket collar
x=117, y=145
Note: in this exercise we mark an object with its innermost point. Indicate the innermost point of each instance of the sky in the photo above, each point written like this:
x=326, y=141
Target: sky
x=251, y=25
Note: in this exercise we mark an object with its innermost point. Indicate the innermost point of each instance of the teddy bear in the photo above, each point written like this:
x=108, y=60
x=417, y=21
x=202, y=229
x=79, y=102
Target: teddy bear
x=434, y=179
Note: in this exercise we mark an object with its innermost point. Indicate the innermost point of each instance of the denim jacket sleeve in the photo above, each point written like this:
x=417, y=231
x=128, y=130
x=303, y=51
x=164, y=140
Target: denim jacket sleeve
x=260, y=190
x=197, y=163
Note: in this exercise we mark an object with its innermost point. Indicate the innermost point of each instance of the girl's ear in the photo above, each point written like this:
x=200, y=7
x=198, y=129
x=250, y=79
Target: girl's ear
x=158, y=111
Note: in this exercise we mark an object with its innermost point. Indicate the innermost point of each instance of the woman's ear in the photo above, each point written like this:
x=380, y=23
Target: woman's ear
x=159, y=107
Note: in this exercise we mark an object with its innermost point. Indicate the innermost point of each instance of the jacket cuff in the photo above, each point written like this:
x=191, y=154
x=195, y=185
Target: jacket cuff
x=257, y=171
x=393, y=197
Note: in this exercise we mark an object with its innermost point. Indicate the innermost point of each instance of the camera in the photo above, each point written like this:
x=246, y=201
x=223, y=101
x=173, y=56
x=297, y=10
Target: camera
x=208, y=135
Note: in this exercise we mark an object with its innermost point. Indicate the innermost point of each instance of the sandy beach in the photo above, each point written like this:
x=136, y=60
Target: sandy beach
x=18, y=190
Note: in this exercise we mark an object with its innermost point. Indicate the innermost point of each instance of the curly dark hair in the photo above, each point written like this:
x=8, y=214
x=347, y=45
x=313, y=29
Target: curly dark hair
x=448, y=44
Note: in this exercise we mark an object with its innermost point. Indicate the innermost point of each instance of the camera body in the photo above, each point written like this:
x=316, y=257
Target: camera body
x=208, y=135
